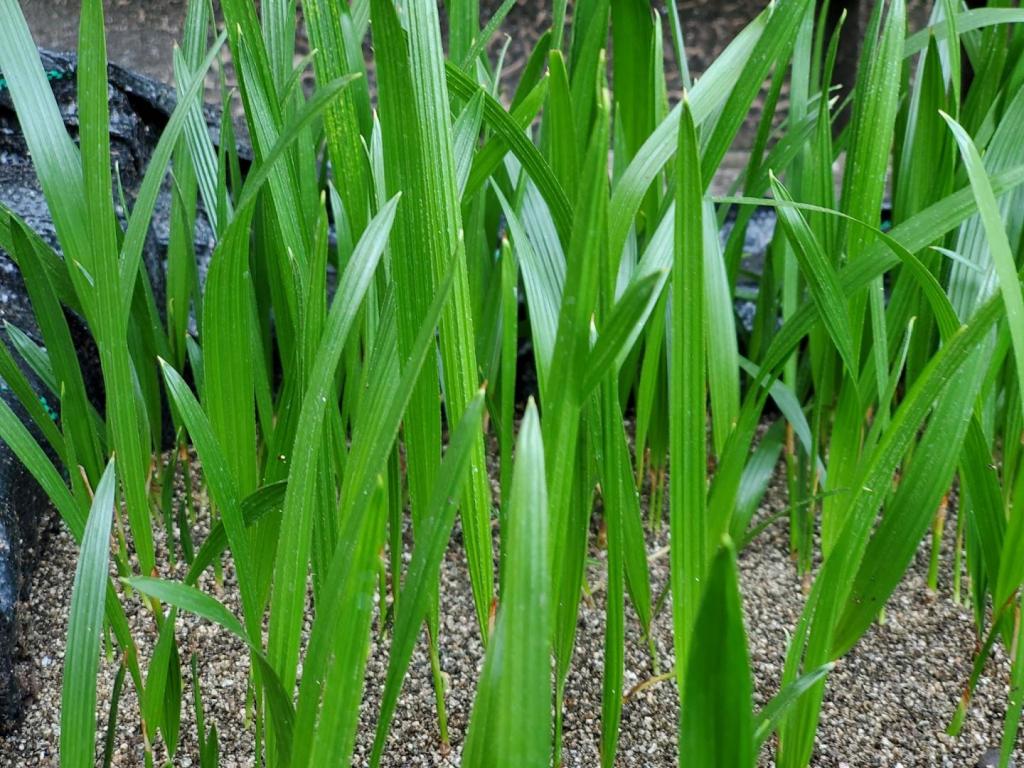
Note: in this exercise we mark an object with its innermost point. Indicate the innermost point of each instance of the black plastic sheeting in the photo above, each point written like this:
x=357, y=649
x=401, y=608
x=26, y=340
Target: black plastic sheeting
x=139, y=108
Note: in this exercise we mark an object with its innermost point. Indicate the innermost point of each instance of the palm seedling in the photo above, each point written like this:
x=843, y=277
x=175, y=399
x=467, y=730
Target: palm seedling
x=353, y=346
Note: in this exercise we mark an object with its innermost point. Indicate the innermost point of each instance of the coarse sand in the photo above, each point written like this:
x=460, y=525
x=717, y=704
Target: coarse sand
x=888, y=701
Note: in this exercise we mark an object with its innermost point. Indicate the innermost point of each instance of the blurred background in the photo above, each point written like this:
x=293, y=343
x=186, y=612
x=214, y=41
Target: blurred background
x=141, y=35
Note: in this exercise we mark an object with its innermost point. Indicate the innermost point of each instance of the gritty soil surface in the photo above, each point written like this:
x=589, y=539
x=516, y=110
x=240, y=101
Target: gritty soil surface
x=887, y=704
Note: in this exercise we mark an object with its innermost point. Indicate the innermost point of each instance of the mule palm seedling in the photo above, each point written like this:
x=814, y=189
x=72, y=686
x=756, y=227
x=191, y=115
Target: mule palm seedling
x=397, y=254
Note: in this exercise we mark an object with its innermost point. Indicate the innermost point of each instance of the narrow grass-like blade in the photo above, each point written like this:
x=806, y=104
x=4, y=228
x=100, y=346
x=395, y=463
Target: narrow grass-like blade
x=483, y=39
x=760, y=469
x=161, y=698
x=465, y=134
x=966, y=21
x=834, y=581
x=511, y=721
x=265, y=501
x=768, y=719
x=54, y=154
x=821, y=278
x=432, y=538
x=420, y=163
x=623, y=325
x=145, y=202
x=567, y=458
x=222, y=487
x=12, y=377
x=335, y=735
x=784, y=19
x=999, y=244
x=506, y=127
x=912, y=235
x=560, y=130
x=1016, y=703
x=14, y=434
x=346, y=122
x=616, y=483
x=290, y=569
x=716, y=716
x=706, y=97
x=186, y=598
x=110, y=323
x=723, y=376
x=53, y=265
x=912, y=507
x=543, y=280
x=82, y=657
x=688, y=398
x=229, y=380
x=375, y=434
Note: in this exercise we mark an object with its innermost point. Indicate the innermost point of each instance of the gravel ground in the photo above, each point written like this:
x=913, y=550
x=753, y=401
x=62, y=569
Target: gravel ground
x=887, y=704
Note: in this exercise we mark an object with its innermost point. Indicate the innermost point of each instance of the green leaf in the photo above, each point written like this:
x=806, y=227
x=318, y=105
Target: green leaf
x=465, y=134
x=720, y=333
x=55, y=156
x=161, y=699
x=834, y=581
x=1016, y=703
x=543, y=272
x=420, y=162
x=716, y=725
x=53, y=265
x=152, y=182
x=433, y=534
x=912, y=507
x=82, y=657
x=688, y=399
x=110, y=323
x=511, y=132
x=228, y=378
x=511, y=720
x=768, y=719
x=624, y=324
x=873, y=124
x=966, y=21
x=374, y=436
x=616, y=474
x=189, y=599
x=998, y=243
x=290, y=567
x=780, y=31
x=254, y=507
x=1011, y=572
x=912, y=235
x=563, y=147
x=27, y=450
x=567, y=467
x=706, y=98
x=589, y=35
x=186, y=598
x=821, y=278
x=346, y=122
x=11, y=376
x=760, y=469
x=222, y=487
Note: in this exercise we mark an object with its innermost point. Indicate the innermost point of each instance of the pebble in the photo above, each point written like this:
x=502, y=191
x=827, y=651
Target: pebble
x=991, y=760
